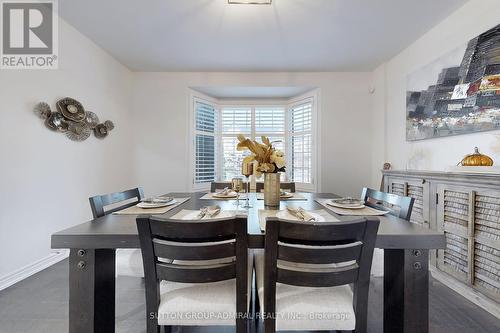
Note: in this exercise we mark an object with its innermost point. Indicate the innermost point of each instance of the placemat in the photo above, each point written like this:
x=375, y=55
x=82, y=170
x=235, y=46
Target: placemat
x=296, y=196
x=366, y=211
x=263, y=213
x=209, y=196
x=134, y=210
x=183, y=213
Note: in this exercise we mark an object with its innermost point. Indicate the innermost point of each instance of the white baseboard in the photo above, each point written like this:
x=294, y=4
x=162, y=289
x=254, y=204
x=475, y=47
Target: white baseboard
x=467, y=292
x=28, y=270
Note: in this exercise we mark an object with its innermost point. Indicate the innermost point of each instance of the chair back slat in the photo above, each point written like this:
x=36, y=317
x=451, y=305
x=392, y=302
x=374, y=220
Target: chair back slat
x=285, y=186
x=319, y=254
x=314, y=278
x=195, y=273
x=194, y=251
x=98, y=203
x=193, y=230
x=259, y=186
x=321, y=233
x=397, y=205
x=214, y=186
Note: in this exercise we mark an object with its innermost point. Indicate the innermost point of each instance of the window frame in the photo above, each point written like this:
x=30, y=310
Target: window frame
x=286, y=104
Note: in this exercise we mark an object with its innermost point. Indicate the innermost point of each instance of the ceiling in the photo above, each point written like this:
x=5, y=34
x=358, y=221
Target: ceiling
x=234, y=92
x=289, y=35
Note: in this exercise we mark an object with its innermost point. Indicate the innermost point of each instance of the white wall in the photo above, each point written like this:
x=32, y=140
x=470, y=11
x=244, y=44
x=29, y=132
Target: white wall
x=46, y=179
x=161, y=106
x=474, y=18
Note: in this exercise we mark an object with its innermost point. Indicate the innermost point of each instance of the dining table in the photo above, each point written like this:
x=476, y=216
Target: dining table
x=93, y=244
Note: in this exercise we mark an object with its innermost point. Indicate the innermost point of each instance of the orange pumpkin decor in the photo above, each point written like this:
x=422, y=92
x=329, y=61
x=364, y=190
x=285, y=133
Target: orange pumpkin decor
x=476, y=159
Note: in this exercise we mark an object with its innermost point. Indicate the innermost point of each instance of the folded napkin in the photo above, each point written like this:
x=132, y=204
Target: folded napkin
x=301, y=214
x=225, y=191
x=209, y=212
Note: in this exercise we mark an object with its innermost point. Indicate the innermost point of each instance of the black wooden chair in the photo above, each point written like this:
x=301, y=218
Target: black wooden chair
x=305, y=274
x=396, y=205
x=181, y=293
x=100, y=203
x=285, y=186
x=128, y=261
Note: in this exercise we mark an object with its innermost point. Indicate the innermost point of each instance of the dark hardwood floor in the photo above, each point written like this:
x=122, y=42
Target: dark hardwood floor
x=40, y=304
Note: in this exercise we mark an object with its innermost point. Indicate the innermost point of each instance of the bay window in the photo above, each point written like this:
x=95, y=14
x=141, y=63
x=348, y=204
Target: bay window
x=289, y=126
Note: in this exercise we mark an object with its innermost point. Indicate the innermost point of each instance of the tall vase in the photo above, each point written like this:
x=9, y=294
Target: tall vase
x=272, y=189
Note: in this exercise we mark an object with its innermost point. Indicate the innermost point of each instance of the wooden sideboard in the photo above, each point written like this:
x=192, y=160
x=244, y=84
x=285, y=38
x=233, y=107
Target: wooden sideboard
x=466, y=207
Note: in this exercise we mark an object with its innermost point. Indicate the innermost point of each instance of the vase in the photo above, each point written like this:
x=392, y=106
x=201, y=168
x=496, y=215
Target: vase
x=272, y=189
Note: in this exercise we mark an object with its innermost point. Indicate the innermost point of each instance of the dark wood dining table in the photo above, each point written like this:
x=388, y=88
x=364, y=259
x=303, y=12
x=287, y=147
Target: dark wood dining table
x=92, y=247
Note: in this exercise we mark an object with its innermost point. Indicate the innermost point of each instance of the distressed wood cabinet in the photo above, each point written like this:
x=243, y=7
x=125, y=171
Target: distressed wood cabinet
x=466, y=207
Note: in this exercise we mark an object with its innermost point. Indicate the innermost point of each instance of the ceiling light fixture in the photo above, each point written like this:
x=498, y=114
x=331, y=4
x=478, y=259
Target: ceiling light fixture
x=249, y=2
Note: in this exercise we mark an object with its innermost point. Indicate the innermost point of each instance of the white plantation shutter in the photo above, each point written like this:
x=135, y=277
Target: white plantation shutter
x=269, y=120
x=301, y=118
x=235, y=120
x=300, y=130
x=205, y=142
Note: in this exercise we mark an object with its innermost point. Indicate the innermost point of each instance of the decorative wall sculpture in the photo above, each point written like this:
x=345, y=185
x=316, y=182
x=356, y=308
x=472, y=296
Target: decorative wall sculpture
x=457, y=94
x=72, y=119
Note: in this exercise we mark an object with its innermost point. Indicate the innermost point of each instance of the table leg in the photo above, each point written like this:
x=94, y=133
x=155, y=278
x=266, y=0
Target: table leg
x=406, y=291
x=91, y=290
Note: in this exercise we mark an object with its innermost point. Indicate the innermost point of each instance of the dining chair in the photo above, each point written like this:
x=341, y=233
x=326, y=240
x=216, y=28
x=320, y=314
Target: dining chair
x=396, y=205
x=304, y=275
x=285, y=186
x=128, y=261
x=207, y=280
x=214, y=186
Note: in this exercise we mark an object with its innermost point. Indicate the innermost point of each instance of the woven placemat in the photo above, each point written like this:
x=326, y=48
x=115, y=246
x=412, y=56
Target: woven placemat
x=264, y=213
x=210, y=196
x=134, y=210
x=182, y=215
x=296, y=196
x=365, y=211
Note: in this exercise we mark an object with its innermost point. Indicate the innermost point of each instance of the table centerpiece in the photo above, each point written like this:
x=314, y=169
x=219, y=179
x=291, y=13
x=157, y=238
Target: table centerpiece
x=268, y=161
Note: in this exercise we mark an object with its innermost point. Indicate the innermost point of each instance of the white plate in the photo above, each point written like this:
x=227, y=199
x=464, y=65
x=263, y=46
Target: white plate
x=335, y=204
x=285, y=215
x=225, y=196
x=194, y=215
x=286, y=195
x=147, y=205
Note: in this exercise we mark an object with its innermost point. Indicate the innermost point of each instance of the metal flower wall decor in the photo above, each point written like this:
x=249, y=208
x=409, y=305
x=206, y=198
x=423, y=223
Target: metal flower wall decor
x=72, y=120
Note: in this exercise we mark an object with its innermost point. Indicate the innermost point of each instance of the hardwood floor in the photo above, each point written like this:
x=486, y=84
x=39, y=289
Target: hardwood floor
x=40, y=304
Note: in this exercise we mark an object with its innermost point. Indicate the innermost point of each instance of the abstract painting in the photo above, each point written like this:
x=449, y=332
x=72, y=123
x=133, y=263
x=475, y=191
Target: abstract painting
x=459, y=93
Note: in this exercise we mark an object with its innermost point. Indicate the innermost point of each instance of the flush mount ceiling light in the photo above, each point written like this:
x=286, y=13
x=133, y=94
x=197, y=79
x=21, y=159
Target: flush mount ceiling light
x=249, y=2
